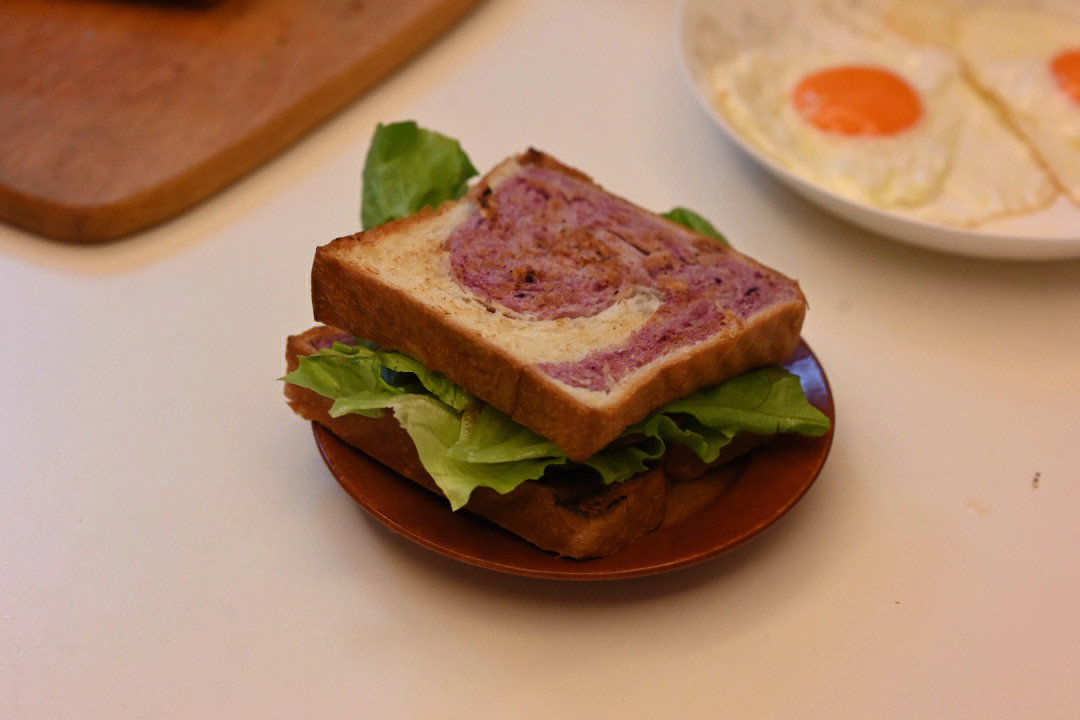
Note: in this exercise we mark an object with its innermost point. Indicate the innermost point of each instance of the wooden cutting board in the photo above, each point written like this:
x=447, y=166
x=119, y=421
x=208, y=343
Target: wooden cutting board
x=115, y=115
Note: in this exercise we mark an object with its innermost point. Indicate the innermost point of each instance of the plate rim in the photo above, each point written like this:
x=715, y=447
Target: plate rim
x=657, y=552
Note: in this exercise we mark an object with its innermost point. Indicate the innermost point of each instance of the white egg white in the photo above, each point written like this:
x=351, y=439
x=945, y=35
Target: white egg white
x=1007, y=50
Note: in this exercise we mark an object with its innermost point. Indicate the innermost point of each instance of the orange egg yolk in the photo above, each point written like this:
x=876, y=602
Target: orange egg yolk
x=853, y=100
x=1066, y=69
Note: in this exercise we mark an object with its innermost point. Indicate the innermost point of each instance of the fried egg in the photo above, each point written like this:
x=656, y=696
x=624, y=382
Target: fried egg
x=877, y=120
x=1028, y=59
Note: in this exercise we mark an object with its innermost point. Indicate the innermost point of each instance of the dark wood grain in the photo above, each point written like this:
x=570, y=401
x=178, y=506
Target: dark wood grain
x=117, y=115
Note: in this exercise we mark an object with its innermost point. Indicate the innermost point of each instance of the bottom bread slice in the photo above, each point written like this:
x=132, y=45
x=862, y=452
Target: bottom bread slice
x=571, y=514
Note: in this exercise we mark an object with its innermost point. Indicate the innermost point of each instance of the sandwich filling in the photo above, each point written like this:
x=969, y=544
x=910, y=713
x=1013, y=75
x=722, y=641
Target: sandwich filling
x=464, y=443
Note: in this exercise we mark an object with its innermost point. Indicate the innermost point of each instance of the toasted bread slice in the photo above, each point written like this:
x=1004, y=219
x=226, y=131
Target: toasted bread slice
x=570, y=309
x=572, y=514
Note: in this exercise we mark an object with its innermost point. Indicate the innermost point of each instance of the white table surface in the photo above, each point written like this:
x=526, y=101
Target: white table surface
x=172, y=546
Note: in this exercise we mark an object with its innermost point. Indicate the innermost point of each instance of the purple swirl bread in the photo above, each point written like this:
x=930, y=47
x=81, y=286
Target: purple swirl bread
x=572, y=310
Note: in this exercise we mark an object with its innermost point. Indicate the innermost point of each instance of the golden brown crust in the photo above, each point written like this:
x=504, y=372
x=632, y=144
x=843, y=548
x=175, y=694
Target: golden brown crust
x=381, y=313
x=582, y=430
x=571, y=516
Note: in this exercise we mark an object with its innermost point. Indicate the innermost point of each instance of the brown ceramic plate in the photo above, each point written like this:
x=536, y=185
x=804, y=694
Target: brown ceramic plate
x=764, y=487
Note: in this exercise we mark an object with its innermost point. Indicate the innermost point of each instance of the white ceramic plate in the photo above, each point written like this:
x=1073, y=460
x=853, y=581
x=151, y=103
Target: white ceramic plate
x=1052, y=233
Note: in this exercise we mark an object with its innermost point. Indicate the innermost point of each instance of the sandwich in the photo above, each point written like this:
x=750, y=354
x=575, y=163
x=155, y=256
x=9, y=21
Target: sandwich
x=539, y=351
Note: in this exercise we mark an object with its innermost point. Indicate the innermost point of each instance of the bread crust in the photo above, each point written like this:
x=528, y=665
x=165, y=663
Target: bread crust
x=356, y=285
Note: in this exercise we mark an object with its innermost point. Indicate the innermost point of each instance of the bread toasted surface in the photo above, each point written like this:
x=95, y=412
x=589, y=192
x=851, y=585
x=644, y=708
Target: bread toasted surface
x=571, y=310
x=571, y=514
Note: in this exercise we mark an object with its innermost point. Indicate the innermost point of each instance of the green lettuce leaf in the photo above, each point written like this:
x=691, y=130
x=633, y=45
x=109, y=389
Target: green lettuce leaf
x=689, y=218
x=465, y=443
x=490, y=436
x=618, y=462
x=347, y=375
x=704, y=440
x=408, y=168
x=435, y=429
x=363, y=379
x=765, y=402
